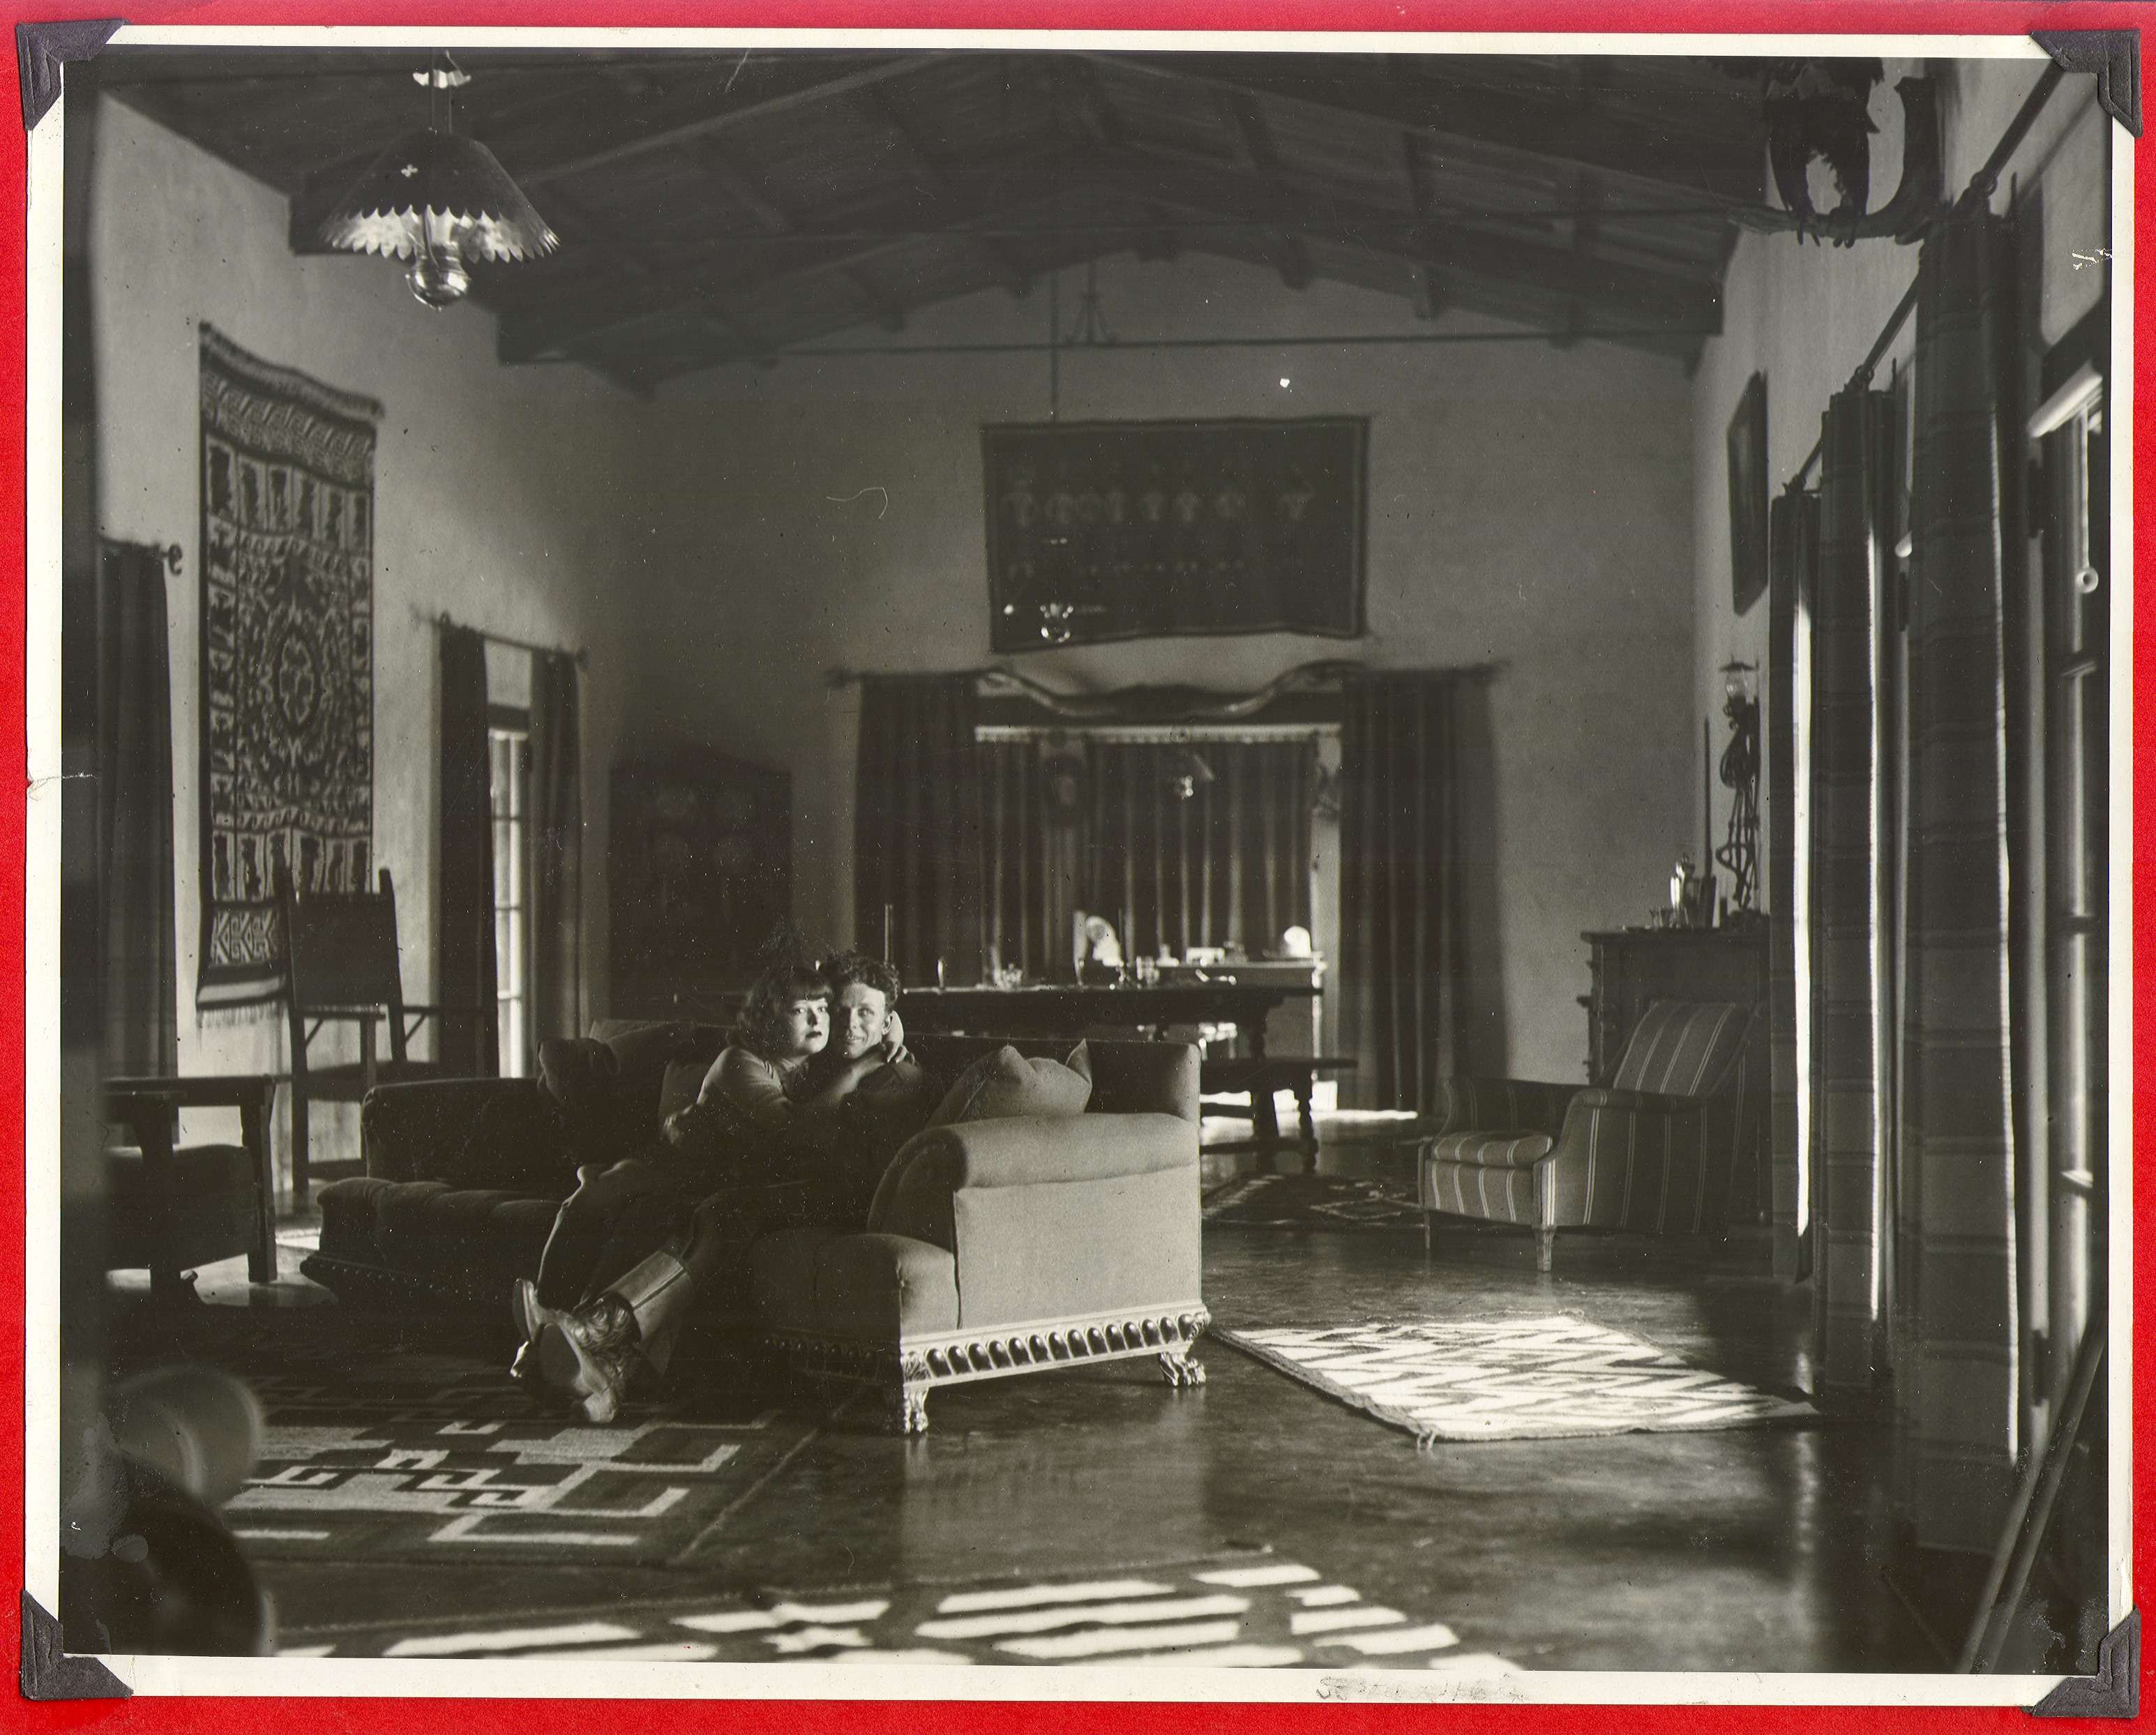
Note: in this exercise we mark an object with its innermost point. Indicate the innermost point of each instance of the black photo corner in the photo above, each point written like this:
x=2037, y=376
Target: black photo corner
x=1079, y=856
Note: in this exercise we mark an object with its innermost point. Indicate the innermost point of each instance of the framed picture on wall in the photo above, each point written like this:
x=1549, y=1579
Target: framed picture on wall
x=1748, y=495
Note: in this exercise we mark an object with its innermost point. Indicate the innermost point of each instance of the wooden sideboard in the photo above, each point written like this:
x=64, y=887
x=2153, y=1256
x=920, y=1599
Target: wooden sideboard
x=1635, y=967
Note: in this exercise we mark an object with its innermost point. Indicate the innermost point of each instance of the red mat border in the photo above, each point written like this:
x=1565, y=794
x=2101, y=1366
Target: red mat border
x=635, y=1717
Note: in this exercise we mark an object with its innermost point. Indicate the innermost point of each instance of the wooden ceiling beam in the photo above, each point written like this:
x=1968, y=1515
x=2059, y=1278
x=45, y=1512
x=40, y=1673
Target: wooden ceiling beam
x=1454, y=114
x=1002, y=264
x=320, y=190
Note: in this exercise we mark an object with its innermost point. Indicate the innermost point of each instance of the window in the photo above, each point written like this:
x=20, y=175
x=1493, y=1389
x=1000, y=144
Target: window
x=509, y=780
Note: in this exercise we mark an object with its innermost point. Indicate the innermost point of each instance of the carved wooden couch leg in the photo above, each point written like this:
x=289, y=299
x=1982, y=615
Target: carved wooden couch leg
x=911, y=1412
x=1179, y=1369
x=1545, y=1241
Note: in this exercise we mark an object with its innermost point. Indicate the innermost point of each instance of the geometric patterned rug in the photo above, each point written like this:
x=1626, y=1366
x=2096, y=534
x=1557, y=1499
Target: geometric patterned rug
x=1312, y=1202
x=376, y=1450
x=1550, y=1379
x=1269, y=1614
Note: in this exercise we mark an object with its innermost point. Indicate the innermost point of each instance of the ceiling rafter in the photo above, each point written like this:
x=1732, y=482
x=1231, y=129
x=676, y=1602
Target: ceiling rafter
x=1452, y=114
x=321, y=189
x=1015, y=281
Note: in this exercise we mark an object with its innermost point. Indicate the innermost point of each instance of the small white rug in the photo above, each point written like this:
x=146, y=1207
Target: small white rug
x=1549, y=1378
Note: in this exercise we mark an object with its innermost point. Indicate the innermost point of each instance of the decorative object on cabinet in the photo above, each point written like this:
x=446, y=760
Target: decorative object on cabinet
x=433, y=197
x=287, y=658
x=1746, y=443
x=700, y=872
x=1100, y=531
x=1740, y=775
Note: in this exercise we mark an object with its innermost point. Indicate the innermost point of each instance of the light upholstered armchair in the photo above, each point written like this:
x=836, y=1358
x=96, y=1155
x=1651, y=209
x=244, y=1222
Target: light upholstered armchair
x=1661, y=1149
x=1015, y=1245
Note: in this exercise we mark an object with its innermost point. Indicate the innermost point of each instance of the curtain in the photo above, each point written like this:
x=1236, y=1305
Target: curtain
x=1399, y=889
x=1793, y=526
x=1846, y=908
x=1956, y=1199
x=463, y=900
x=1204, y=842
x=557, y=849
x=138, y=963
x=917, y=840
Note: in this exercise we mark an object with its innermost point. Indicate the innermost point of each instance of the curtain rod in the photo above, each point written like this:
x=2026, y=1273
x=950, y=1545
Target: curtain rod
x=444, y=619
x=1981, y=186
x=1136, y=345
x=1196, y=701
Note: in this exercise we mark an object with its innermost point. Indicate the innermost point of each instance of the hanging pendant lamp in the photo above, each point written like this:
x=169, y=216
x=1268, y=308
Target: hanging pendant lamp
x=438, y=198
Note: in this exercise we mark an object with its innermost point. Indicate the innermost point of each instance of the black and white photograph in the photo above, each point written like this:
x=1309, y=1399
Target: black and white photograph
x=1205, y=866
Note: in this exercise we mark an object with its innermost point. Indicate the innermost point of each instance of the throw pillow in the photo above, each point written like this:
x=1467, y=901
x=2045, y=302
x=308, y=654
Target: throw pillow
x=1005, y=1083
x=684, y=1079
x=581, y=1076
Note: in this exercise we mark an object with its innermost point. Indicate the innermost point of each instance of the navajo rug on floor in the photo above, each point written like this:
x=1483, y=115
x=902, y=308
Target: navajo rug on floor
x=1511, y=1380
x=1312, y=1202
x=420, y=1451
x=1258, y=1614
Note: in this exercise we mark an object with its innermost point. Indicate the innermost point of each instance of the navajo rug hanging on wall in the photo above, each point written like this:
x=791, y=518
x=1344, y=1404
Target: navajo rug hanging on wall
x=1107, y=531
x=287, y=657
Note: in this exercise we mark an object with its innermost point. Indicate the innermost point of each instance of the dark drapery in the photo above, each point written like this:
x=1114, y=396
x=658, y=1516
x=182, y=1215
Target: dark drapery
x=917, y=825
x=1793, y=553
x=1400, y=888
x=137, y=945
x=1847, y=910
x=557, y=849
x=1956, y=1315
x=463, y=898
x=1204, y=842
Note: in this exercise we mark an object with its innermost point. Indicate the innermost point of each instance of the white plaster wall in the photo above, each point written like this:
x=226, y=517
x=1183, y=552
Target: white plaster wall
x=1805, y=315
x=498, y=498
x=1528, y=507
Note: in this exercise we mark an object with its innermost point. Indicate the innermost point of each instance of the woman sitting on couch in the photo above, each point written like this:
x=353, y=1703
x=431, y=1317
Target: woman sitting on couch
x=765, y=1145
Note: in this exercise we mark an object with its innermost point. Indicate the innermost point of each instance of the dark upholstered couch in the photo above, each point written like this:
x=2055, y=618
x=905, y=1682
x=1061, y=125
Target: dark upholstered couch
x=994, y=1247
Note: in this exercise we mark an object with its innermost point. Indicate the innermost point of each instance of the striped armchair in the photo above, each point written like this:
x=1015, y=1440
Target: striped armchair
x=1657, y=1150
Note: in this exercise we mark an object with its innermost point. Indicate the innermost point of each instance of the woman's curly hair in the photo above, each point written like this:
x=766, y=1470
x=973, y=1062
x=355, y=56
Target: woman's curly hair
x=762, y=1025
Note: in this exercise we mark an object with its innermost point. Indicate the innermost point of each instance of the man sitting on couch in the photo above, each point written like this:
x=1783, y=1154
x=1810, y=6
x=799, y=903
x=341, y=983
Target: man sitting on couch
x=790, y=1127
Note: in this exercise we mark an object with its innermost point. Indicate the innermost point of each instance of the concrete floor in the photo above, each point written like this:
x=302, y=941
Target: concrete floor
x=1761, y=1548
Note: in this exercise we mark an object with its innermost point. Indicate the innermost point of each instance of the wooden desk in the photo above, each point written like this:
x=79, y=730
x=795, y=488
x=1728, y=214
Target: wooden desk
x=149, y=1107
x=1068, y=1009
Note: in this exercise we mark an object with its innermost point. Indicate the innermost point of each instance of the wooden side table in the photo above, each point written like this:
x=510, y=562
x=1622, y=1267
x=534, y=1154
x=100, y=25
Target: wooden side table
x=149, y=1108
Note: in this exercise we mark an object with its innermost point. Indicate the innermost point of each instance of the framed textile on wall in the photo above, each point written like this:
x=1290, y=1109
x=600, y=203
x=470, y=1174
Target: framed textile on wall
x=287, y=657
x=700, y=856
x=1107, y=531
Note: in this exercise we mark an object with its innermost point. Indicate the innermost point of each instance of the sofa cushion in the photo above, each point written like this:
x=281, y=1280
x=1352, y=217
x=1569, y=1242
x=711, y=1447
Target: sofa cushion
x=871, y=1288
x=642, y=1055
x=402, y=1231
x=1507, y=1149
x=1138, y=1077
x=1005, y=1083
x=348, y=1208
x=518, y=1143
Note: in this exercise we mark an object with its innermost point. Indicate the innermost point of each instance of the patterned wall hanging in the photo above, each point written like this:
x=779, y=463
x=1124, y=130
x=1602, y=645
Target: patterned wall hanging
x=1099, y=531
x=287, y=657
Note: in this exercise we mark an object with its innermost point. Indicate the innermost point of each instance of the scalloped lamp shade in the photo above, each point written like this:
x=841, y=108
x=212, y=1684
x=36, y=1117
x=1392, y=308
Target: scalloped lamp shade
x=437, y=198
